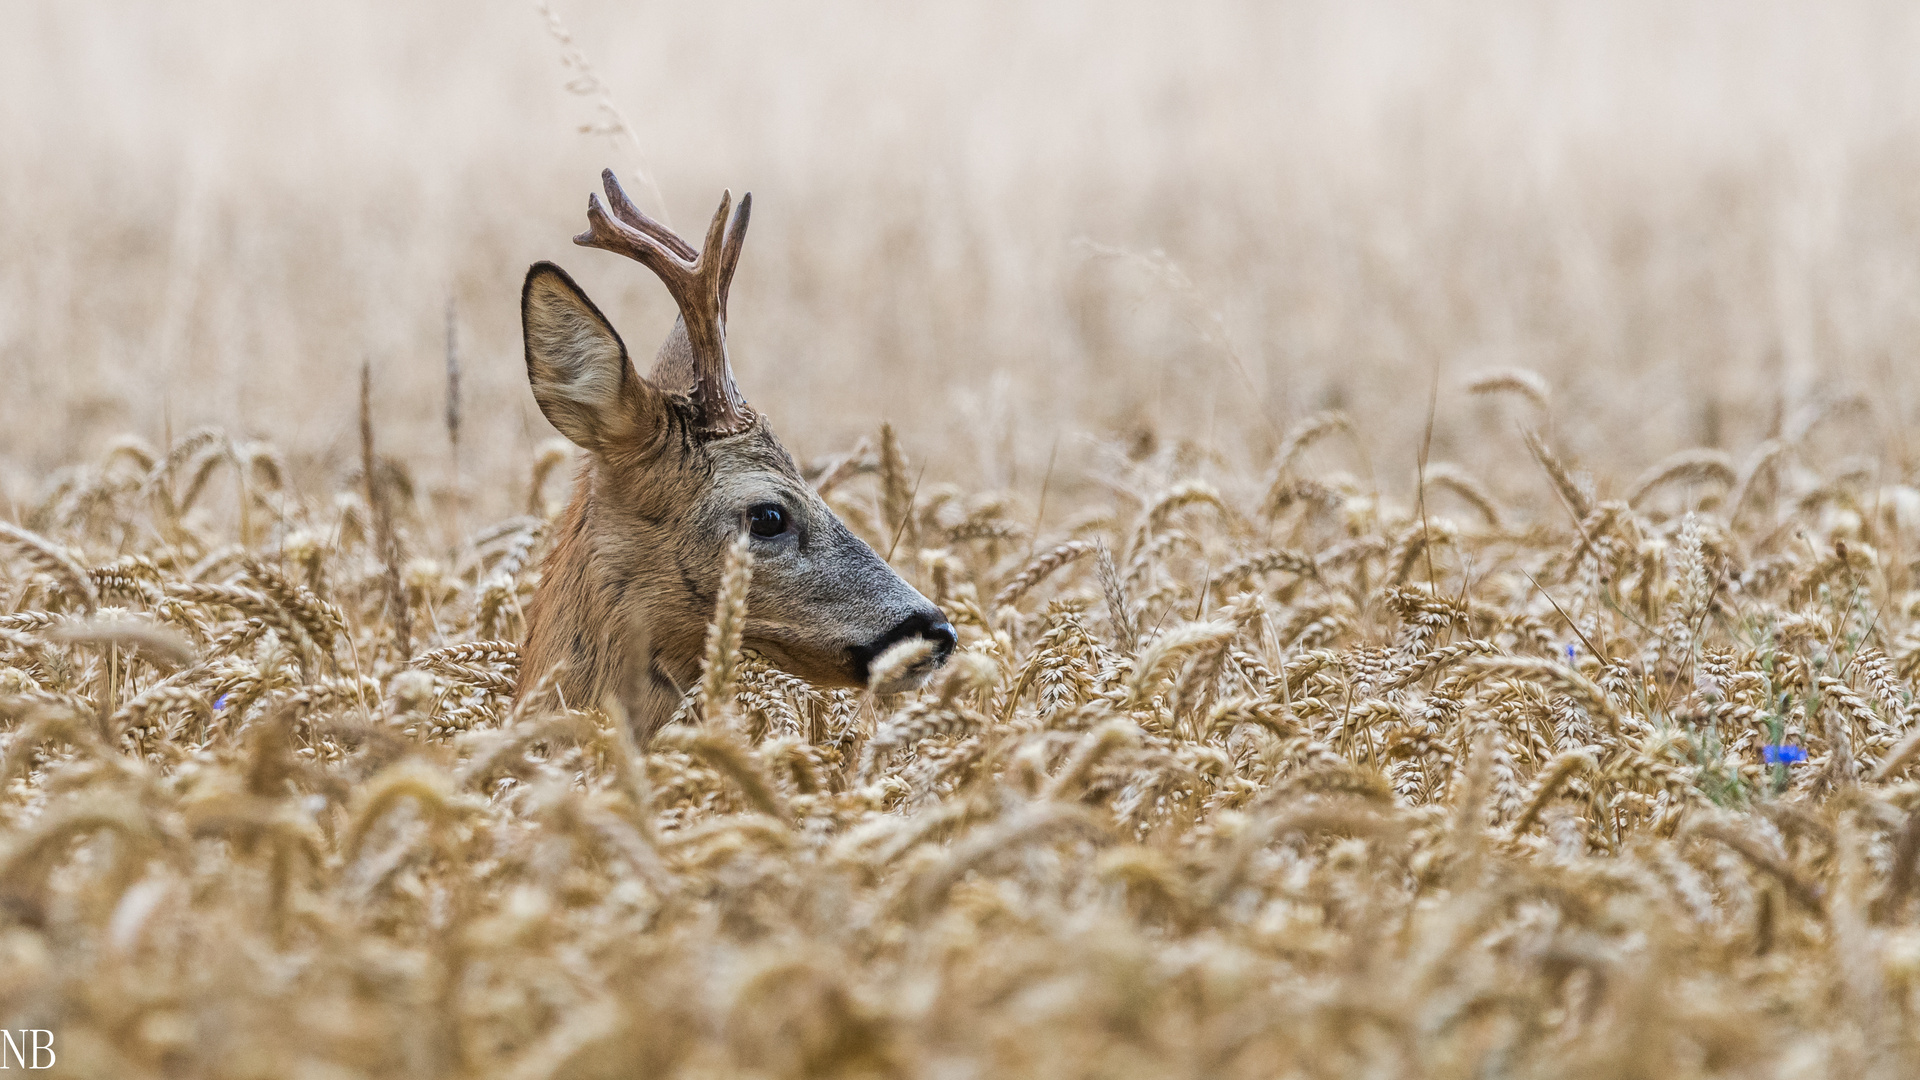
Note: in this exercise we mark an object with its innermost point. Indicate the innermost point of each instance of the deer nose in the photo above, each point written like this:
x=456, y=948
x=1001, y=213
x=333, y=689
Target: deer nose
x=928, y=624
x=943, y=638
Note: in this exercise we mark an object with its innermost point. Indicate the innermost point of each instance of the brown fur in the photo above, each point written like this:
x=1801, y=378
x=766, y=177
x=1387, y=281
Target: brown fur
x=628, y=589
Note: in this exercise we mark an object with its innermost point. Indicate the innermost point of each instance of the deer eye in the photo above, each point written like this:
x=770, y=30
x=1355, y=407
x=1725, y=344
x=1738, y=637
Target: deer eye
x=767, y=519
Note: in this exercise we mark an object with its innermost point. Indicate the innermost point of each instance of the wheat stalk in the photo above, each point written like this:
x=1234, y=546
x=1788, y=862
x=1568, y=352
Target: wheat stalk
x=720, y=667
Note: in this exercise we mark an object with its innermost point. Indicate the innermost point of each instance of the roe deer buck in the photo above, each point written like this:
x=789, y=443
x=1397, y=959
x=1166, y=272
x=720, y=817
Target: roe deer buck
x=677, y=466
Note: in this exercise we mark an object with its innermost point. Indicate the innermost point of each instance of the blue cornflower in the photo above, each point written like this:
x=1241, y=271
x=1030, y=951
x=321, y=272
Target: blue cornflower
x=1783, y=755
x=1570, y=653
x=220, y=702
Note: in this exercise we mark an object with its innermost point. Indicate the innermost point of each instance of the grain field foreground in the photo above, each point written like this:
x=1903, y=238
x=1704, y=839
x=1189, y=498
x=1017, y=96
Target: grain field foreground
x=1218, y=785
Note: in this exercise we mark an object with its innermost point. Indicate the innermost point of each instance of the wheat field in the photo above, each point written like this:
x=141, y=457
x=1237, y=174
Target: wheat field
x=1423, y=490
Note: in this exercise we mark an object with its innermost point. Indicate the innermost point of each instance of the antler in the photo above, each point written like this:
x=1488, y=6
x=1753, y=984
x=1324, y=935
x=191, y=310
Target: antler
x=698, y=281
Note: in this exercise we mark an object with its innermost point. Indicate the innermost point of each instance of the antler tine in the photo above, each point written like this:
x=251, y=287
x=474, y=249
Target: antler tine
x=712, y=257
x=608, y=233
x=730, y=252
x=624, y=209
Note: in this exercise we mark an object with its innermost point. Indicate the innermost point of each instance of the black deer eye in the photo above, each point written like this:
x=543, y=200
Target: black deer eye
x=767, y=519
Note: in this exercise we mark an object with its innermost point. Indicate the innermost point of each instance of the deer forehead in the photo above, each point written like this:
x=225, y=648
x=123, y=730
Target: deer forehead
x=715, y=483
x=751, y=462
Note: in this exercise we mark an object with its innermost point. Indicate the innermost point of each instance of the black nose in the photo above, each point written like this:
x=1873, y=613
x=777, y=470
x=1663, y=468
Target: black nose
x=929, y=624
x=943, y=638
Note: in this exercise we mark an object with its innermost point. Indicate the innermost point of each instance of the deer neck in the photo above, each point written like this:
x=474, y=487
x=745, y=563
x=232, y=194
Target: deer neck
x=599, y=609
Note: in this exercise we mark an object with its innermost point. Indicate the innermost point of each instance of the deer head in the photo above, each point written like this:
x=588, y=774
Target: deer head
x=678, y=465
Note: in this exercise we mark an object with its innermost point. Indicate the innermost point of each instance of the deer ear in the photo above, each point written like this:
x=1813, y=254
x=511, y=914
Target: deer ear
x=578, y=367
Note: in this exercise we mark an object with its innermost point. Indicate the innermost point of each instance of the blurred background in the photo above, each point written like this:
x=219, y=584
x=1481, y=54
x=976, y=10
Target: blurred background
x=1020, y=232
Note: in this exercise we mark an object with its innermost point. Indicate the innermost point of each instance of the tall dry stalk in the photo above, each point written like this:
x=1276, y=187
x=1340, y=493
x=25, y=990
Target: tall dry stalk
x=385, y=538
x=719, y=670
